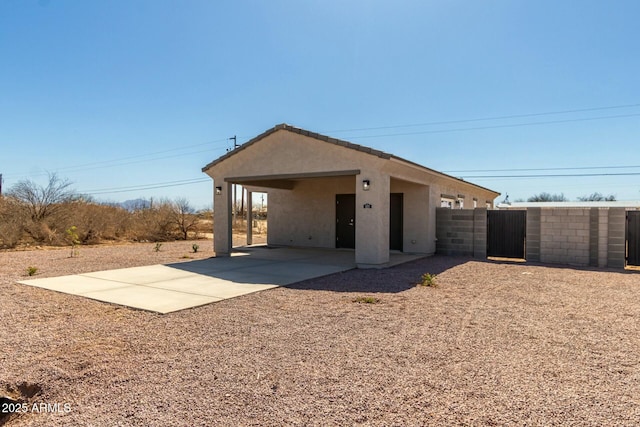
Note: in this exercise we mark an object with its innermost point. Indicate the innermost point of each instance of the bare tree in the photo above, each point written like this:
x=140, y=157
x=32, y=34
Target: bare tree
x=546, y=197
x=597, y=197
x=184, y=216
x=40, y=201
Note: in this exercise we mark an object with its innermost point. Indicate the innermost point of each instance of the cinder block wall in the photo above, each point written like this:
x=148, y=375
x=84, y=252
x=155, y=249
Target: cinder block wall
x=532, y=247
x=461, y=232
x=574, y=236
x=594, y=235
x=454, y=231
x=564, y=236
x=480, y=233
x=603, y=237
x=616, y=245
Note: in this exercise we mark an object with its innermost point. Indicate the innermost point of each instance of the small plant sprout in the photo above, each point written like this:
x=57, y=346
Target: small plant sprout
x=74, y=239
x=429, y=279
x=367, y=300
x=31, y=271
x=157, y=247
x=195, y=248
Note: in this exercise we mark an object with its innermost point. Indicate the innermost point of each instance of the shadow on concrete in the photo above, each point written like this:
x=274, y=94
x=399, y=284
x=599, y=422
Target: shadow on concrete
x=265, y=265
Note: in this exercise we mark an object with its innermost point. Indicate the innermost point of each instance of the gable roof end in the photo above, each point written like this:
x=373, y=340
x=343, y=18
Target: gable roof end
x=314, y=135
x=342, y=143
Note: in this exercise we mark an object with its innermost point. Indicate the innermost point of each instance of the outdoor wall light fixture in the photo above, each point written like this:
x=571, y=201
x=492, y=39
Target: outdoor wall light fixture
x=366, y=184
x=218, y=190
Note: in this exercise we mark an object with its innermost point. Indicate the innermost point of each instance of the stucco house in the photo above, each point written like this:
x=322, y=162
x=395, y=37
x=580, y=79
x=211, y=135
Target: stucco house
x=328, y=193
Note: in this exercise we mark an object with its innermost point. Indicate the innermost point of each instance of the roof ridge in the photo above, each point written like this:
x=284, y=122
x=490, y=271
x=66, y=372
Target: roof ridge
x=304, y=132
x=335, y=141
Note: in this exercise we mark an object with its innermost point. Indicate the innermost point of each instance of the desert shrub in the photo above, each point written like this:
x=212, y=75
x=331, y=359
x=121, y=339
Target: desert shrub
x=154, y=224
x=12, y=222
x=98, y=222
x=429, y=280
x=43, y=201
x=74, y=239
x=40, y=232
x=44, y=208
x=367, y=300
x=42, y=215
x=183, y=217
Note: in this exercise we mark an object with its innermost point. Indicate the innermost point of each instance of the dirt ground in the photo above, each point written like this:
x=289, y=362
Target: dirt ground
x=495, y=343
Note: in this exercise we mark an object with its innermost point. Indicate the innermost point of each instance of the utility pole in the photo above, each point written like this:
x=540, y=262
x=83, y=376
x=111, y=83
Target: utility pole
x=0, y=185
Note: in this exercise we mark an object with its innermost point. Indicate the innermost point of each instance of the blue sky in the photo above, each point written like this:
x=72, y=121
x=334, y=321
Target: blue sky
x=121, y=96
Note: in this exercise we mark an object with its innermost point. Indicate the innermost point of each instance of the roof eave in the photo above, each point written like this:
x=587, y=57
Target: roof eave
x=342, y=143
x=300, y=131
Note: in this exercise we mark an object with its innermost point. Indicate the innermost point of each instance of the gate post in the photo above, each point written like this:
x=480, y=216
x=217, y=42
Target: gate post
x=532, y=244
x=594, y=236
x=617, y=238
x=480, y=233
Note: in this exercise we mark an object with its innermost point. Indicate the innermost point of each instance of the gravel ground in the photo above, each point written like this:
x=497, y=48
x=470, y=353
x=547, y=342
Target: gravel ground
x=493, y=344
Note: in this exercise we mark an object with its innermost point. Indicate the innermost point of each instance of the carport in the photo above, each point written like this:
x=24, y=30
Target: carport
x=328, y=193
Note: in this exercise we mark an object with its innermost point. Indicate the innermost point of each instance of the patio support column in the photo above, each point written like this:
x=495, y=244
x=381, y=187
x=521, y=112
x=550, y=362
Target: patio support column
x=222, y=237
x=372, y=219
x=249, y=218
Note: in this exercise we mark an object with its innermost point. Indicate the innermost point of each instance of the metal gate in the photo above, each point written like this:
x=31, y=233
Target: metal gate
x=633, y=238
x=506, y=233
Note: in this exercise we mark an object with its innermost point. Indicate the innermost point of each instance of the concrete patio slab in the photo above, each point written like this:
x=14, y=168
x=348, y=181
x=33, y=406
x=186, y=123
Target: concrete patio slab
x=178, y=286
x=140, y=275
x=202, y=286
x=151, y=298
x=75, y=284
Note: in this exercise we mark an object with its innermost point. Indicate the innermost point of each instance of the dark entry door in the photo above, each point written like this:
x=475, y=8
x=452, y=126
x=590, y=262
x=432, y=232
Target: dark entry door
x=395, y=221
x=506, y=233
x=633, y=238
x=346, y=221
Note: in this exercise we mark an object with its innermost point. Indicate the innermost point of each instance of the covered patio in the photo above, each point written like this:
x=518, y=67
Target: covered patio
x=327, y=193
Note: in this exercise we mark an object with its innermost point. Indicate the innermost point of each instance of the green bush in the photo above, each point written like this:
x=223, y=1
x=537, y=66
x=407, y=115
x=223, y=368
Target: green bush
x=429, y=280
x=367, y=300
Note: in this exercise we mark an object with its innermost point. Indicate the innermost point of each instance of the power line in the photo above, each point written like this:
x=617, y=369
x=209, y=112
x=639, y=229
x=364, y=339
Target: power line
x=146, y=186
x=119, y=161
x=157, y=152
x=541, y=169
x=513, y=116
x=551, y=175
x=122, y=161
x=201, y=180
x=495, y=126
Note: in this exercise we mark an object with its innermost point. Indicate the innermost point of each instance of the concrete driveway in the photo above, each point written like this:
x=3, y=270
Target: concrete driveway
x=173, y=287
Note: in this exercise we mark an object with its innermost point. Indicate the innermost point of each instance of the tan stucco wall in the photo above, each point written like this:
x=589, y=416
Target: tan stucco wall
x=285, y=153
x=372, y=224
x=416, y=216
x=306, y=215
